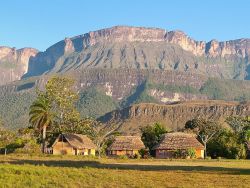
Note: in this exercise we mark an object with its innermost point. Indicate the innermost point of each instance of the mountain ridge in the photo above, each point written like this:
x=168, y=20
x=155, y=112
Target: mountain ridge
x=172, y=116
x=145, y=48
x=151, y=34
x=135, y=48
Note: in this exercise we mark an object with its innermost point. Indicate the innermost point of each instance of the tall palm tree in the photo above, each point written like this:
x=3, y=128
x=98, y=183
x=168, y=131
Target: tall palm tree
x=41, y=116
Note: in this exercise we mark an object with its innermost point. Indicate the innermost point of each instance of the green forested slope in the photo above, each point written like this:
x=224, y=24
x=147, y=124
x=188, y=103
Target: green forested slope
x=93, y=102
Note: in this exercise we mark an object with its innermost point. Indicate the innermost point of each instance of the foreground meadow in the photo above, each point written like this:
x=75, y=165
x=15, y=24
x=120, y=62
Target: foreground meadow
x=77, y=171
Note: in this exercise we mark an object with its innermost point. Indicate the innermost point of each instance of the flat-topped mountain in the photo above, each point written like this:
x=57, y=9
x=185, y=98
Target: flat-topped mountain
x=118, y=34
x=145, y=48
x=130, y=48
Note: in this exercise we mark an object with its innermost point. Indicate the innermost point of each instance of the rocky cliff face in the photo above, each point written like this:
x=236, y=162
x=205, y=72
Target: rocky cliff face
x=173, y=116
x=14, y=63
x=145, y=48
x=131, y=48
x=120, y=83
x=212, y=48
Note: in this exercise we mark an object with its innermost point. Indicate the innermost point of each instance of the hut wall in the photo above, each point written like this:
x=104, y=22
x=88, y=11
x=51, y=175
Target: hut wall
x=81, y=152
x=199, y=153
x=163, y=154
x=135, y=151
x=63, y=148
x=123, y=152
x=92, y=152
x=85, y=152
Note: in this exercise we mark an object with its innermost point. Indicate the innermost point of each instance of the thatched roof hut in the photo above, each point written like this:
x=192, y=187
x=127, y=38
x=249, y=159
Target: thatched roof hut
x=123, y=145
x=178, y=140
x=77, y=141
x=73, y=143
x=171, y=142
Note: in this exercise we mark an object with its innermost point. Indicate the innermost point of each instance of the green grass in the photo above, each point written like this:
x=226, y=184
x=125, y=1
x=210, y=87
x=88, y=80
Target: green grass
x=56, y=171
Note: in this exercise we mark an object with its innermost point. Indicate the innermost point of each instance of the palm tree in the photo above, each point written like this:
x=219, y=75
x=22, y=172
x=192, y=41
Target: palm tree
x=41, y=116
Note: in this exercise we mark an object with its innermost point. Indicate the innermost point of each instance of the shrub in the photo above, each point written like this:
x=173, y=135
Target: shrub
x=30, y=147
x=144, y=153
x=180, y=153
x=191, y=153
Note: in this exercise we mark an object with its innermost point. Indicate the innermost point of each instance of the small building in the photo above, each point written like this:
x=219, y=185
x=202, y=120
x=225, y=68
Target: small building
x=125, y=145
x=178, y=141
x=73, y=144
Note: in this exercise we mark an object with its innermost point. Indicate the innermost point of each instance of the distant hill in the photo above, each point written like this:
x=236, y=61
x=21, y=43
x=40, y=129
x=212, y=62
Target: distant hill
x=172, y=116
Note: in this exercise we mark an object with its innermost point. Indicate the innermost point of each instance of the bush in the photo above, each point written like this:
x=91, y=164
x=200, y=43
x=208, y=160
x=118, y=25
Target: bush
x=180, y=153
x=191, y=153
x=144, y=153
x=30, y=147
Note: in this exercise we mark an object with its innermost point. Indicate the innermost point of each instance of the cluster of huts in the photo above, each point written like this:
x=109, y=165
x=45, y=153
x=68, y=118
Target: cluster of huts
x=76, y=144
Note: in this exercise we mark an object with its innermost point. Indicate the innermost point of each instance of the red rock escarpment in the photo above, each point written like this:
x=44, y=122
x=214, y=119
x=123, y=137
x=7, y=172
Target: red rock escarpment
x=14, y=63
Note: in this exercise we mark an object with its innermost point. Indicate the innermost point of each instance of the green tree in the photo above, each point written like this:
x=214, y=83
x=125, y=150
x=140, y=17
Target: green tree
x=151, y=135
x=241, y=129
x=41, y=116
x=204, y=129
x=239, y=124
x=62, y=97
x=227, y=144
x=6, y=138
x=55, y=106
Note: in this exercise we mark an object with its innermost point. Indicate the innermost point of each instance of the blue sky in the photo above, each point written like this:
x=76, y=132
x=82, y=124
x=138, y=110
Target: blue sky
x=39, y=24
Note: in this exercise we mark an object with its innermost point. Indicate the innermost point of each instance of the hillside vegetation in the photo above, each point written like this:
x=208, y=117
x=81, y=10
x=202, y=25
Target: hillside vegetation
x=93, y=101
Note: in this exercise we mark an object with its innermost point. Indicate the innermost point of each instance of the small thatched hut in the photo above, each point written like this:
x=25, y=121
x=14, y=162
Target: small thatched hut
x=125, y=145
x=73, y=144
x=172, y=142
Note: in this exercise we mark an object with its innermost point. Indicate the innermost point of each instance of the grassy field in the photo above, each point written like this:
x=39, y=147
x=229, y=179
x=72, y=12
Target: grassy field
x=77, y=171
